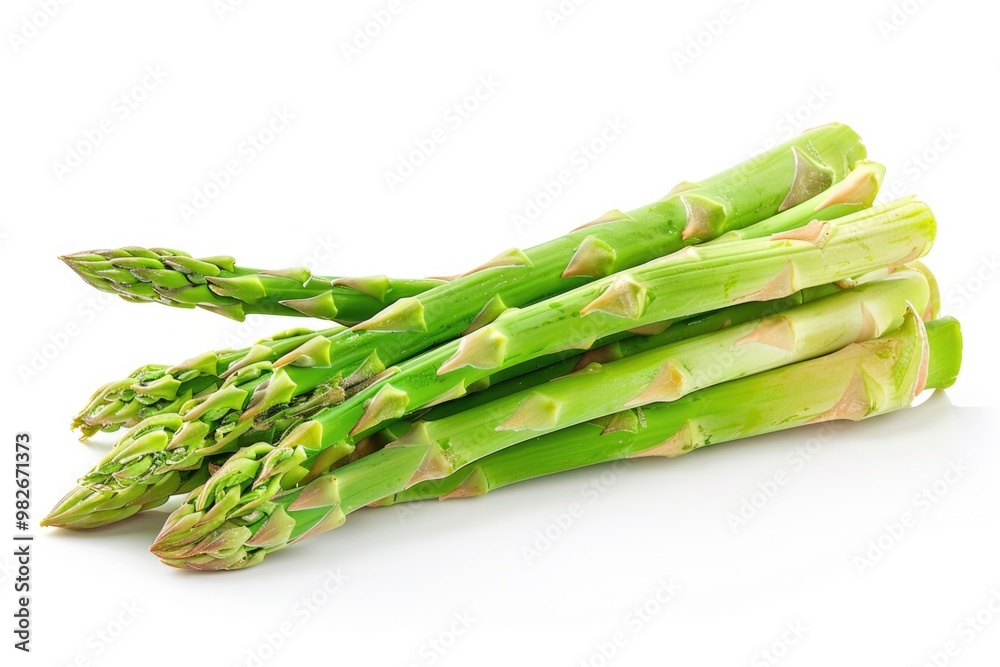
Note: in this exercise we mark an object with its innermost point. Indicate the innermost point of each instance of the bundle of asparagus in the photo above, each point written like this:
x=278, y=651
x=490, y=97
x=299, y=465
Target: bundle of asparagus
x=648, y=333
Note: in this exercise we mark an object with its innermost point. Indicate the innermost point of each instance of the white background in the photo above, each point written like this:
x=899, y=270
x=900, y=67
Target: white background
x=317, y=194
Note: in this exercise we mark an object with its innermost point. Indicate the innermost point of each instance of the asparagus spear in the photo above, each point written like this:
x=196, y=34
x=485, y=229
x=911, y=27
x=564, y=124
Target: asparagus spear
x=159, y=389
x=322, y=370
x=217, y=284
x=245, y=523
x=823, y=389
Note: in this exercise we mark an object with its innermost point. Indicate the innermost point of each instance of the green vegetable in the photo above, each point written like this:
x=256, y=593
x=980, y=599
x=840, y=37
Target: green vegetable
x=242, y=525
x=325, y=369
x=768, y=296
x=86, y=507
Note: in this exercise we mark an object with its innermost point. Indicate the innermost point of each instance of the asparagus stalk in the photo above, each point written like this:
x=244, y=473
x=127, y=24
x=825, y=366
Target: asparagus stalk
x=217, y=284
x=157, y=389
x=862, y=380
x=99, y=512
x=242, y=524
x=322, y=370
x=680, y=285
